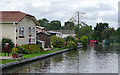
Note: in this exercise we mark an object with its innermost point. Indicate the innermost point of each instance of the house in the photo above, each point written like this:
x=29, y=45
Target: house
x=62, y=33
x=40, y=29
x=44, y=39
x=58, y=34
x=18, y=26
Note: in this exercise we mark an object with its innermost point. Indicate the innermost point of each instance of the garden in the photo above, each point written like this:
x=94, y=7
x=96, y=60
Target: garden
x=29, y=51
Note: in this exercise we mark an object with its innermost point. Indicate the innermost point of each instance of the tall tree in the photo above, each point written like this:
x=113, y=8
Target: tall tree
x=118, y=34
x=108, y=33
x=44, y=22
x=69, y=25
x=98, y=29
x=55, y=25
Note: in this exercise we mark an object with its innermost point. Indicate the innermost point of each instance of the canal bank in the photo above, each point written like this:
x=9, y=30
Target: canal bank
x=34, y=58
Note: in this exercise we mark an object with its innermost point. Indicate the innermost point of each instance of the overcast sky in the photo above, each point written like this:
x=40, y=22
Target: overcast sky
x=96, y=10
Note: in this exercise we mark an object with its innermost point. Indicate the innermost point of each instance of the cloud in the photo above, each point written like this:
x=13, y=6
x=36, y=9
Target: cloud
x=63, y=10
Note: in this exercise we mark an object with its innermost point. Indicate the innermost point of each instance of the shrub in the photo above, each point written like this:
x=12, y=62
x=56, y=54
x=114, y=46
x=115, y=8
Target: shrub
x=57, y=42
x=15, y=50
x=84, y=40
x=33, y=48
x=7, y=40
x=71, y=44
x=23, y=50
x=70, y=38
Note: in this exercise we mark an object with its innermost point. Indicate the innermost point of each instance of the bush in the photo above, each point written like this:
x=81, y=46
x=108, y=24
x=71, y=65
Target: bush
x=70, y=38
x=23, y=50
x=7, y=40
x=33, y=48
x=57, y=42
x=71, y=44
x=84, y=40
x=15, y=50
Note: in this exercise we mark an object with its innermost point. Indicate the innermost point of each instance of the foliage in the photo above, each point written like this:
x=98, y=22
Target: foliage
x=15, y=50
x=84, y=30
x=55, y=25
x=23, y=50
x=71, y=44
x=69, y=25
x=7, y=40
x=84, y=40
x=107, y=33
x=70, y=38
x=98, y=30
x=57, y=42
x=44, y=22
x=118, y=35
x=33, y=48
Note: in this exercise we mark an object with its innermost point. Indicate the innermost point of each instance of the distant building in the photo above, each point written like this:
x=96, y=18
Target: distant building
x=62, y=33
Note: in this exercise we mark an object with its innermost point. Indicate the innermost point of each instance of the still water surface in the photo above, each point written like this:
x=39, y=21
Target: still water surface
x=91, y=59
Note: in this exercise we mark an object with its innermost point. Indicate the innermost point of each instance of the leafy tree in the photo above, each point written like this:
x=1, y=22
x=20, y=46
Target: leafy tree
x=107, y=33
x=69, y=25
x=43, y=22
x=84, y=30
x=55, y=25
x=118, y=34
x=98, y=29
x=84, y=40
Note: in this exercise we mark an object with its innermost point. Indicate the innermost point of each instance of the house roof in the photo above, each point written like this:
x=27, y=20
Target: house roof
x=63, y=31
x=13, y=16
x=43, y=33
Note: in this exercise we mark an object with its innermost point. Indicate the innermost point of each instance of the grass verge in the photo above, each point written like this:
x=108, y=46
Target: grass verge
x=26, y=56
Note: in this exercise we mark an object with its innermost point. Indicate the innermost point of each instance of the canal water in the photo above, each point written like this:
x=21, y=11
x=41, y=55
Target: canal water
x=91, y=59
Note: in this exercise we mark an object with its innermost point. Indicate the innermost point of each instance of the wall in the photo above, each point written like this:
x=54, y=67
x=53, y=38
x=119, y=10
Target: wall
x=26, y=22
x=8, y=31
x=45, y=38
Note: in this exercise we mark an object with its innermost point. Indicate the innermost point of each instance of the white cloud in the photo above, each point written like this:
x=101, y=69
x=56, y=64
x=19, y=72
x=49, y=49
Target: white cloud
x=63, y=10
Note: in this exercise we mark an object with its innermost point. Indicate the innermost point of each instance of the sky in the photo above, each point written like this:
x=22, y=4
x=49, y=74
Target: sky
x=95, y=10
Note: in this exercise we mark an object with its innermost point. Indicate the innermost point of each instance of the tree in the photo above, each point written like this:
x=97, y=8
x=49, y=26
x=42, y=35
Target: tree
x=84, y=40
x=43, y=22
x=107, y=33
x=69, y=25
x=84, y=30
x=98, y=29
x=118, y=34
x=55, y=25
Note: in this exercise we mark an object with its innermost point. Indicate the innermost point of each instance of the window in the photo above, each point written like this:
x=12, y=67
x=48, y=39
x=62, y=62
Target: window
x=21, y=31
x=31, y=30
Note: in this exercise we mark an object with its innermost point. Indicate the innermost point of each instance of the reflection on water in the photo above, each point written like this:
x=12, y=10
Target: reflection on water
x=92, y=59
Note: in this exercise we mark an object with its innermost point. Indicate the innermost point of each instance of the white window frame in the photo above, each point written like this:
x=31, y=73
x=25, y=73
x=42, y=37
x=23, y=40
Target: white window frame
x=31, y=32
x=22, y=29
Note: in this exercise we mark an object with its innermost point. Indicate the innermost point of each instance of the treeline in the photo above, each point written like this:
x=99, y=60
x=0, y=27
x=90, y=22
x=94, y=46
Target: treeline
x=102, y=31
x=56, y=24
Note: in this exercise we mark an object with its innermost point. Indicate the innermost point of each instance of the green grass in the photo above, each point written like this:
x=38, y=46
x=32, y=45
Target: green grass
x=115, y=43
x=26, y=56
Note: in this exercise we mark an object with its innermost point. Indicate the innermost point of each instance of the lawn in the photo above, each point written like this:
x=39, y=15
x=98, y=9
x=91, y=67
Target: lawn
x=26, y=56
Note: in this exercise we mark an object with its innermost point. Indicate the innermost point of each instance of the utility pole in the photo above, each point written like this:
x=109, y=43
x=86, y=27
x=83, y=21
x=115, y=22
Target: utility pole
x=78, y=14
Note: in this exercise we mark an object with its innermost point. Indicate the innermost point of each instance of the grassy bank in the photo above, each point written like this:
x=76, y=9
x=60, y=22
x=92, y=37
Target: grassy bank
x=116, y=43
x=26, y=56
